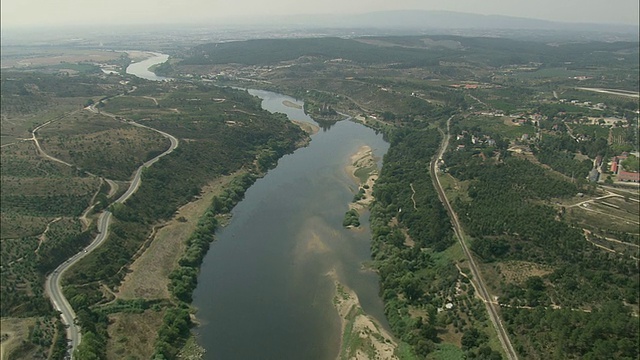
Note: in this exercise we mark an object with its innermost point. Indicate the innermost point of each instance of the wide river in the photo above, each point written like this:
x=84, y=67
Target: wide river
x=141, y=68
x=263, y=290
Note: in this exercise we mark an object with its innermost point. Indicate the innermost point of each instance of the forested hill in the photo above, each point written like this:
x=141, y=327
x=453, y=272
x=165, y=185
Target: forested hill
x=408, y=51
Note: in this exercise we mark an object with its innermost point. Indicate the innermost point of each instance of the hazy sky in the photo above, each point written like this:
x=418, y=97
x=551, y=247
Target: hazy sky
x=82, y=12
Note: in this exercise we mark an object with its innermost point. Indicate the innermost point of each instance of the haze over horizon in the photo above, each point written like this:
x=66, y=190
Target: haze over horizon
x=38, y=13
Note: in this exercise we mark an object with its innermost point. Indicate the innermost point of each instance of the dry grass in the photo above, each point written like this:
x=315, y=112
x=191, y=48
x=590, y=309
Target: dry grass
x=55, y=57
x=100, y=144
x=149, y=273
x=17, y=225
x=14, y=127
x=132, y=336
x=519, y=271
x=14, y=332
x=450, y=336
x=37, y=186
x=601, y=219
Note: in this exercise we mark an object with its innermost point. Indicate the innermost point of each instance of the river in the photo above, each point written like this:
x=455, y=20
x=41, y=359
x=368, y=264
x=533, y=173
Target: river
x=263, y=290
x=141, y=68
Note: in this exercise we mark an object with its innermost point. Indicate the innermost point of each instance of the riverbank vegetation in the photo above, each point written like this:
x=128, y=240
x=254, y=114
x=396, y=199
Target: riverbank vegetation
x=232, y=134
x=427, y=300
x=522, y=142
x=53, y=195
x=561, y=262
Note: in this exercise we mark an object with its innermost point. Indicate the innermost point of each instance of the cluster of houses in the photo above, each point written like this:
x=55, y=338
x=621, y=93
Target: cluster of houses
x=618, y=169
x=467, y=137
x=589, y=104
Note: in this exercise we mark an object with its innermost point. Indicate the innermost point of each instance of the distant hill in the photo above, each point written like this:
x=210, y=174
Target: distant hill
x=429, y=20
x=411, y=51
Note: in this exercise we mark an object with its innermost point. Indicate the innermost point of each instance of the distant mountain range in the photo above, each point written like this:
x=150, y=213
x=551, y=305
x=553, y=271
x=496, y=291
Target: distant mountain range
x=428, y=20
x=403, y=22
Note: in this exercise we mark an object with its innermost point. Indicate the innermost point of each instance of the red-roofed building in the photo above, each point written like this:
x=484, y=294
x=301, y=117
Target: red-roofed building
x=629, y=176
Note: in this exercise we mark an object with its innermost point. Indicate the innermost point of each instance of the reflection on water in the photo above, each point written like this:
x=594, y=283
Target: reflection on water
x=263, y=289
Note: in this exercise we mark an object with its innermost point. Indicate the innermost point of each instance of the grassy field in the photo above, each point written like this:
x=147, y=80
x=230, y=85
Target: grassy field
x=596, y=131
x=495, y=124
x=603, y=217
x=132, y=336
x=14, y=331
x=446, y=352
x=46, y=56
x=454, y=188
x=148, y=276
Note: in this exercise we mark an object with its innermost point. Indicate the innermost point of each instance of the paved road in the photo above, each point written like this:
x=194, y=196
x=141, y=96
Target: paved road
x=491, y=307
x=625, y=93
x=53, y=286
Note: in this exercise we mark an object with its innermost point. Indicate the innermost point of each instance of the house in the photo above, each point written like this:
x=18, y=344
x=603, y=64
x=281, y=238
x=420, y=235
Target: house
x=594, y=175
x=614, y=166
x=629, y=176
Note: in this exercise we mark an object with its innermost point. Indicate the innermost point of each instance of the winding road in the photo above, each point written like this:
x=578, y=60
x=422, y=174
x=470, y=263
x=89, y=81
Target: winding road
x=53, y=286
x=477, y=278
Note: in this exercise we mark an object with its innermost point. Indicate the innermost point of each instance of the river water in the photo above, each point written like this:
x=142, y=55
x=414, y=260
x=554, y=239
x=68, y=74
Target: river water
x=263, y=289
x=141, y=68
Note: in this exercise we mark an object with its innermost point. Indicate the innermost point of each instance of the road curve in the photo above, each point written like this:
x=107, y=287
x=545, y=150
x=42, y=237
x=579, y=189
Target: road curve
x=457, y=228
x=53, y=286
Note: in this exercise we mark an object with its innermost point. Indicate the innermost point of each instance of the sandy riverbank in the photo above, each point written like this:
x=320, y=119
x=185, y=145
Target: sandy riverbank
x=291, y=104
x=137, y=56
x=362, y=337
x=363, y=169
x=310, y=129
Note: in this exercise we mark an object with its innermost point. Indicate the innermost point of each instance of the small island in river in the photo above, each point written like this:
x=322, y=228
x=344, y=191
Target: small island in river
x=291, y=104
x=363, y=169
x=362, y=336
